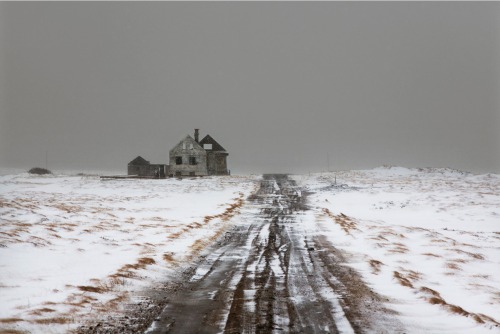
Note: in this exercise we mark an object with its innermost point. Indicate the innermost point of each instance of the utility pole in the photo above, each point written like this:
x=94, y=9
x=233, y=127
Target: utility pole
x=46, y=159
x=328, y=161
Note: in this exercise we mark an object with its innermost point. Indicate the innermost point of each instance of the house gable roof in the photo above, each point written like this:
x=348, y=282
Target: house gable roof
x=139, y=161
x=188, y=140
x=215, y=145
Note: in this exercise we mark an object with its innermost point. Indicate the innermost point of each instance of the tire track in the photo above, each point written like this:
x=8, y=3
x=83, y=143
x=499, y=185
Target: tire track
x=271, y=276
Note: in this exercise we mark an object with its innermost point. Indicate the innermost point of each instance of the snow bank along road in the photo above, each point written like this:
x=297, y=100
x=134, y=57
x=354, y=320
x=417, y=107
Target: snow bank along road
x=269, y=275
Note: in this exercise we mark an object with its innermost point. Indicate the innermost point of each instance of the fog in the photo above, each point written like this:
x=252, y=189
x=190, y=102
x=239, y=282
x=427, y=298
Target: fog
x=284, y=87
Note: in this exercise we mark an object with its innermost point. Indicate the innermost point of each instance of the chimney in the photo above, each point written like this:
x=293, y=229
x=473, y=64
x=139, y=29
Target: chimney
x=197, y=135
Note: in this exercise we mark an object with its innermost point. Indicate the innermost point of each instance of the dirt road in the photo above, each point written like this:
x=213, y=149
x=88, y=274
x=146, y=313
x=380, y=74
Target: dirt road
x=270, y=276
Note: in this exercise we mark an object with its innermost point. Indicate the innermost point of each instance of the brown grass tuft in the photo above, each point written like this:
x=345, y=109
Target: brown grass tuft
x=57, y=320
x=453, y=266
x=457, y=310
x=436, y=300
x=169, y=257
x=430, y=291
x=431, y=254
x=375, y=264
x=146, y=261
x=127, y=270
x=41, y=311
x=346, y=223
x=88, y=288
x=9, y=320
x=11, y=331
x=402, y=280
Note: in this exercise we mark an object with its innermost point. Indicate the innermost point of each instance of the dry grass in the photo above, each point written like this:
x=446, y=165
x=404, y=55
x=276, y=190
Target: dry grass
x=169, y=257
x=55, y=320
x=9, y=320
x=434, y=298
x=68, y=208
x=142, y=263
x=453, y=266
x=413, y=275
x=398, y=248
x=41, y=311
x=101, y=286
x=201, y=244
x=12, y=331
x=114, y=303
x=475, y=256
x=402, y=280
x=93, y=289
x=346, y=223
x=375, y=265
x=82, y=300
x=230, y=212
x=438, y=241
x=431, y=254
x=430, y=291
x=127, y=271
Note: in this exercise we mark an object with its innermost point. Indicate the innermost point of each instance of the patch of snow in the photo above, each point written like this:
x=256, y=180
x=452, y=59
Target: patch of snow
x=426, y=239
x=72, y=247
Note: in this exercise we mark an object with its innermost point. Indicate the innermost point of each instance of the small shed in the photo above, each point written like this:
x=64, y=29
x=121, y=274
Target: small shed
x=142, y=168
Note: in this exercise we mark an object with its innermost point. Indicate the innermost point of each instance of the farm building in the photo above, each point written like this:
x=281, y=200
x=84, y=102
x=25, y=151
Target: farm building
x=192, y=157
x=143, y=168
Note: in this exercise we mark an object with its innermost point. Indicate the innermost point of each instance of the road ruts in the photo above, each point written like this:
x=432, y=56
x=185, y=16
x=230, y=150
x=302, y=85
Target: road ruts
x=271, y=276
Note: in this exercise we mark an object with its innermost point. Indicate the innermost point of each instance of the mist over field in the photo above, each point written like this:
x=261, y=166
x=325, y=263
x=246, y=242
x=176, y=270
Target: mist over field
x=284, y=87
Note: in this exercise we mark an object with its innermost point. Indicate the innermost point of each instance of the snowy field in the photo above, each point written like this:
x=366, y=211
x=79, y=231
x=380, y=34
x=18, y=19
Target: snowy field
x=76, y=247
x=428, y=240
x=73, y=247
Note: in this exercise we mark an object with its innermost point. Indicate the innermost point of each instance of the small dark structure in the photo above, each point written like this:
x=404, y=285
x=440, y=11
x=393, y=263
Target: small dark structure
x=143, y=168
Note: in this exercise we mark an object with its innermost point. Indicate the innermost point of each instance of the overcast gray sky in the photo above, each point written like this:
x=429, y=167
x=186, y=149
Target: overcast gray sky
x=282, y=86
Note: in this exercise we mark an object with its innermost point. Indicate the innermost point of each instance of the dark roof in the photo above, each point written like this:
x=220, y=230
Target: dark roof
x=215, y=145
x=139, y=161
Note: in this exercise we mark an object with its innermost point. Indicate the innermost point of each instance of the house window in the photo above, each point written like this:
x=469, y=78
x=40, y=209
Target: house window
x=192, y=174
x=191, y=146
x=178, y=160
x=178, y=173
x=192, y=160
x=207, y=146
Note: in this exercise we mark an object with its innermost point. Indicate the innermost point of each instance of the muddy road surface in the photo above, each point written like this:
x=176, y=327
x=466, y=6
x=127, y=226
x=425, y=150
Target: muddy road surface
x=269, y=275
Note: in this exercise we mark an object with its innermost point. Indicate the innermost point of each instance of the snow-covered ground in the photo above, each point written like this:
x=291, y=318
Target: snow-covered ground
x=73, y=247
x=426, y=239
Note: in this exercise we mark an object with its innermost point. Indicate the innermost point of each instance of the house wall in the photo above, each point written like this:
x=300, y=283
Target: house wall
x=140, y=170
x=187, y=148
x=217, y=163
x=148, y=170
